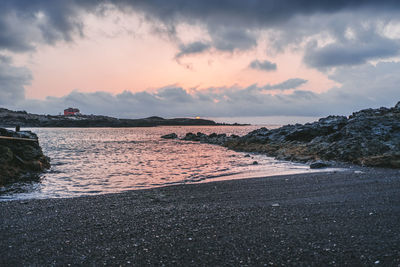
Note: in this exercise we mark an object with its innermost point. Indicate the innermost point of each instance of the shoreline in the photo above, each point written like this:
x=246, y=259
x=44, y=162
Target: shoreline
x=333, y=168
x=337, y=218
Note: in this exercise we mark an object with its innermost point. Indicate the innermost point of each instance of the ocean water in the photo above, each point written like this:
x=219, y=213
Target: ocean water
x=90, y=161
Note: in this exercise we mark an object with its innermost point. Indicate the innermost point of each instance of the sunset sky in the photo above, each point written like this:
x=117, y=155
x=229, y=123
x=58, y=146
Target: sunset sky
x=227, y=58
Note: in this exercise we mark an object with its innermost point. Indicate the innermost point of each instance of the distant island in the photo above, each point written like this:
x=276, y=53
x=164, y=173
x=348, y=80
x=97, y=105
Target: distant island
x=9, y=118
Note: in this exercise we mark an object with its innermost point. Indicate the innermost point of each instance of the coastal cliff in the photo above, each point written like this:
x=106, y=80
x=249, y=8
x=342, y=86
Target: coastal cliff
x=369, y=137
x=21, y=157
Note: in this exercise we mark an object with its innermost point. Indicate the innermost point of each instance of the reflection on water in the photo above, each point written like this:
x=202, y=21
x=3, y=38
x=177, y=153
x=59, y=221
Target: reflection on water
x=88, y=161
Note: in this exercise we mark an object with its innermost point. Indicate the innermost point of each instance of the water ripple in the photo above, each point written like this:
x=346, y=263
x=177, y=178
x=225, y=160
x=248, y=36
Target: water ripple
x=89, y=161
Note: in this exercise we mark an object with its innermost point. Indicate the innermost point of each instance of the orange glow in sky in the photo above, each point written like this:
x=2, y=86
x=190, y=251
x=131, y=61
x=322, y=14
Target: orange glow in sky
x=138, y=61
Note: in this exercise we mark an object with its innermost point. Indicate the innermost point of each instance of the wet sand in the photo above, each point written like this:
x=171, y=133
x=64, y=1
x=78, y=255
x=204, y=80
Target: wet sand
x=341, y=218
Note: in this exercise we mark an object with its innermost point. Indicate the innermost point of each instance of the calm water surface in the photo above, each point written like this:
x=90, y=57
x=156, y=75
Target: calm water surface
x=89, y=161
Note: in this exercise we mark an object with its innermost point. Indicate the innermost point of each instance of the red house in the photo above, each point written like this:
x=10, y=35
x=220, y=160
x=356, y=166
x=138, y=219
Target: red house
x=71, y=111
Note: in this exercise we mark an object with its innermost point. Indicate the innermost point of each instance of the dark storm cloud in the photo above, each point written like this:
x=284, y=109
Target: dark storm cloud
x=255, y=12
x=263, y=65
x=25, y=23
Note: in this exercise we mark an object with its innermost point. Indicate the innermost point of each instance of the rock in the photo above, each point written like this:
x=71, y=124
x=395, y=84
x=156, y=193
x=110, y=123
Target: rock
x=247, y=156
x=397, y=107
x=20, y=160
x=319, y=165
x=255, y=163
x=9, y=118
x=191, y=137
x=369, y=137
x=170, y=136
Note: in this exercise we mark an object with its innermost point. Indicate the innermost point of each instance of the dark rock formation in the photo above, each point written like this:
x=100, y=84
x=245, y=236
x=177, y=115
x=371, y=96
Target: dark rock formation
x=217, y=139
x=10, y=118
x=21, y=157
x=369, y=137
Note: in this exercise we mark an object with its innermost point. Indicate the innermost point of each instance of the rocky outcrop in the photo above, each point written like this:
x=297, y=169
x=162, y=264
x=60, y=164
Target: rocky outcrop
x=369, y=137
x=21, y=157
x=9, y=118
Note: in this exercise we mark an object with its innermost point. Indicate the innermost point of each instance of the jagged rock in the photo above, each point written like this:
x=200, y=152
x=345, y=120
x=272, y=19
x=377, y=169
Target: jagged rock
x=191, y=137
x=369, y=137
x=20, y=160
x=170, y=136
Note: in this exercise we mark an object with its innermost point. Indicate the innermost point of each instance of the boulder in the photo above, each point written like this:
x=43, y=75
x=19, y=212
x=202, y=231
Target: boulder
x=191, y=137
x=21, y=157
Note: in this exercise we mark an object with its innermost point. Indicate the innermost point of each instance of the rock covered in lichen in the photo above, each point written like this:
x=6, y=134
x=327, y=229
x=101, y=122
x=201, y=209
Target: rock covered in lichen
x=20, y=159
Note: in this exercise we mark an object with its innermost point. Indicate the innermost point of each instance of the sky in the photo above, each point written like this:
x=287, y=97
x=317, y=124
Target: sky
x=207, y=58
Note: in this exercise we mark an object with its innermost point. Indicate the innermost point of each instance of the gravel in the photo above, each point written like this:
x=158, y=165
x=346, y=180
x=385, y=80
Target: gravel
x=338, y=218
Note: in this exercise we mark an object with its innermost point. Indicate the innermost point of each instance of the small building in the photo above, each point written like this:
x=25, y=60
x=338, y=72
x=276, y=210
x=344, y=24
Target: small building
x=71, y=111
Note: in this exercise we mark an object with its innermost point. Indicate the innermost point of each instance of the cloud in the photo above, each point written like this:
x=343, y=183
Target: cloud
x=192, y=48
x=251, y=13
x=263, y=65
x=377, y=85
x=12, y=81
x=25, y=24
x=232, y=25
x=229, y=39
x=351, y=52
x=286, y=85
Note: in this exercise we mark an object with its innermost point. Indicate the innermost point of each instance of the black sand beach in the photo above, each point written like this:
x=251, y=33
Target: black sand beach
x=342, y=218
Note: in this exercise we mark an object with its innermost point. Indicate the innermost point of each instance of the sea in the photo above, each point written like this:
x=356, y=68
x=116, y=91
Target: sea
x=93, y=161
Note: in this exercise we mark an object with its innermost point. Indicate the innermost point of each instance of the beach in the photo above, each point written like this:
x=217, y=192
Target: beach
x=341, y=218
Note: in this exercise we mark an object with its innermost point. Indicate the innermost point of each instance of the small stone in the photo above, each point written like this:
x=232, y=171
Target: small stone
x=170, y=136
x=255, y=162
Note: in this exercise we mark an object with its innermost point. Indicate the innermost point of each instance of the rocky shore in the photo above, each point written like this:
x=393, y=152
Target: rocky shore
x=369, y=137
x=21, y=157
